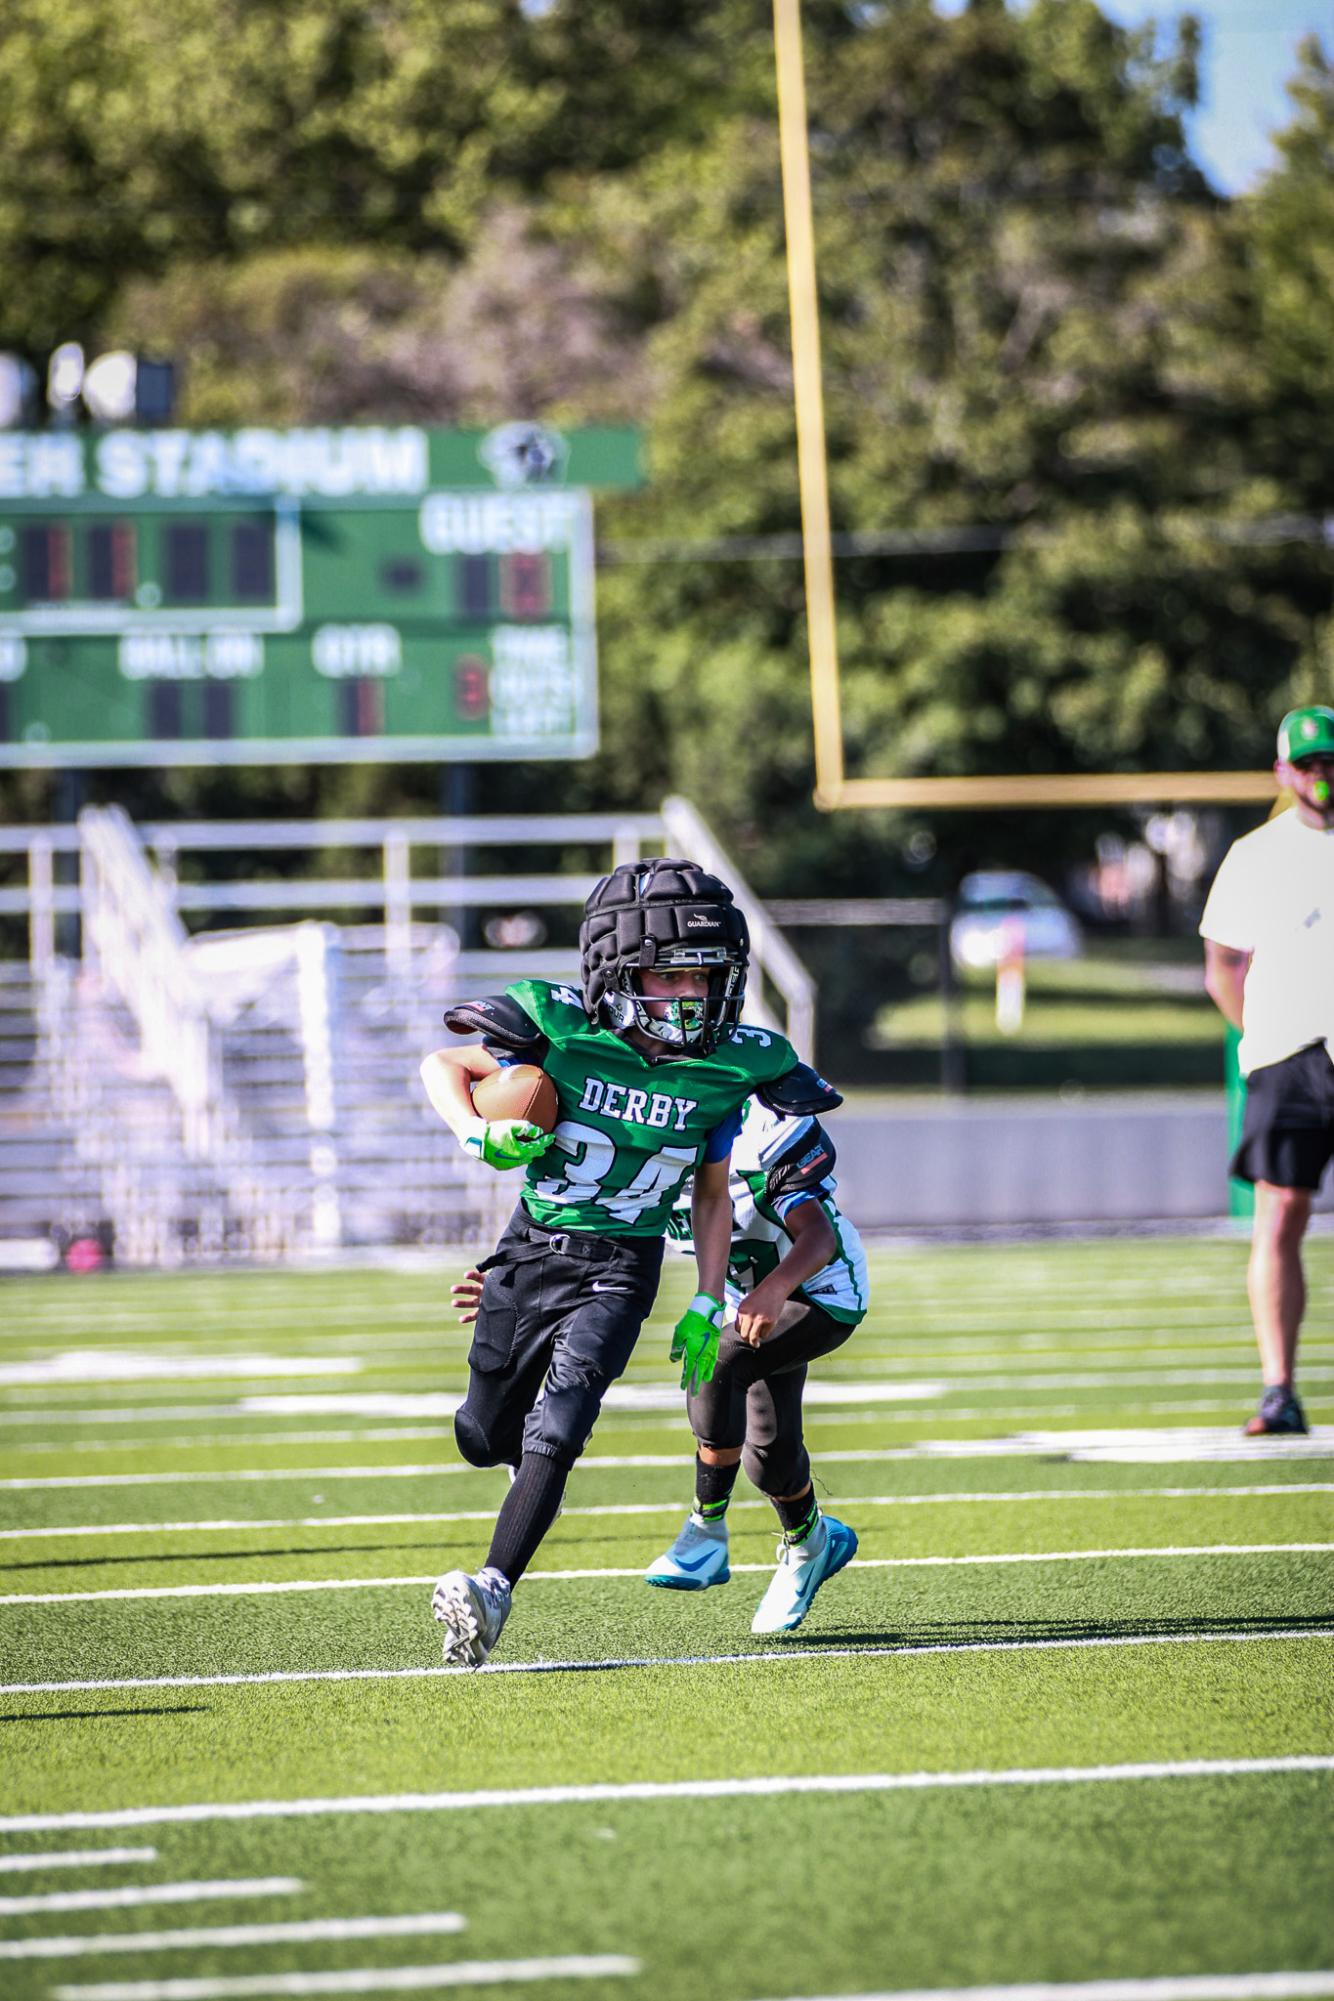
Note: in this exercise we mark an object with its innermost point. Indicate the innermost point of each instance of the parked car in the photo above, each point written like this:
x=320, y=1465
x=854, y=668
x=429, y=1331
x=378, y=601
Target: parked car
x=998, y=907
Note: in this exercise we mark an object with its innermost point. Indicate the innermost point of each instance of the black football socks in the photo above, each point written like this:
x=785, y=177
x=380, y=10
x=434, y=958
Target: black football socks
x=713, y=1489
x=528, y=1510
x=798, y=1518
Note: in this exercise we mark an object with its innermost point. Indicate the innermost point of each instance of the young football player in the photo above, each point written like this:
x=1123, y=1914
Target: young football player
x=651, y=1067
x=796, y=1289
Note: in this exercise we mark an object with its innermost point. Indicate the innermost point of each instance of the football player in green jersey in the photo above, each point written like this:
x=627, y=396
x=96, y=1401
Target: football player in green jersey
x=796, y=1289
x=651, y=1065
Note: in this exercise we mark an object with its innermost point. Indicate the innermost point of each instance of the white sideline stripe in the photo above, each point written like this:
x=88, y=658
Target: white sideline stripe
x=356, y=1980
x=132, y=1897
x=672, y=1507
x=272, y=1586
x=1178, y=1987
x=672, y=1789
x=295, y=1932
x=787, y=1653
x=76, y=1858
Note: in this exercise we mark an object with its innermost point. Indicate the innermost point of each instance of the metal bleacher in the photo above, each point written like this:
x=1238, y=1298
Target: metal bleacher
x=249, y=1090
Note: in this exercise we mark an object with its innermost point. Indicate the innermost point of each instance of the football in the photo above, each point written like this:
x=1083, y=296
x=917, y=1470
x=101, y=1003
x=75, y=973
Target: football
x=517, y=1091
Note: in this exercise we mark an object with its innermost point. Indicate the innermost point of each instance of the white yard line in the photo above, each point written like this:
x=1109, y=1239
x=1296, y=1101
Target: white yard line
x=75, y=1858
x=1130, y=1446
x=636, y=1421
x=1178, y=1987
x=357, y=1980
x=269, y=1587
x=786, y=1653
x=300, y=1931
x=133, y=1897
x=312, y=1473
x=921, y=1378
x=396, y=1434
x=157, y=1392
x=621, y=1398
x=672, y=1507
x=608, y=1794
x=117, y=1365
x=1079, y=1379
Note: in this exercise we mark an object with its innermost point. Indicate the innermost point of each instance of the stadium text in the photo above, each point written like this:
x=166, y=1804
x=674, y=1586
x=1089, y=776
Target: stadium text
x=332, y=463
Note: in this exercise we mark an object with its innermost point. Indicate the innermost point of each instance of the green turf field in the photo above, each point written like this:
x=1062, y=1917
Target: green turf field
x=1066, y=1720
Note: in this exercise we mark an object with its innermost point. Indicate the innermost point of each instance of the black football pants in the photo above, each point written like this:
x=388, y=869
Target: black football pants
x=560, y=1314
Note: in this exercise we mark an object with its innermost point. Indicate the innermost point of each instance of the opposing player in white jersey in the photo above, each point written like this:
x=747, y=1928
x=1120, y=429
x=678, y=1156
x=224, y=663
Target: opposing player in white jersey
x=796, y=1289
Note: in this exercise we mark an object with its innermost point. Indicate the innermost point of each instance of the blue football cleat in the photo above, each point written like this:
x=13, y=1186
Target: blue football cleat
x=697, y=1559
x=802, y=1568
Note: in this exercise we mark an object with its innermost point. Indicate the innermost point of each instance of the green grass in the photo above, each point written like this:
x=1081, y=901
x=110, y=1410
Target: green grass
x=907, y=1665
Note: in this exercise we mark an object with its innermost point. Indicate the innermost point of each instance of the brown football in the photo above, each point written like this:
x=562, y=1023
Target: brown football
x=517, y=1091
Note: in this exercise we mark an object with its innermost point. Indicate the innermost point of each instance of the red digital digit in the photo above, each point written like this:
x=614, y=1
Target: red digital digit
x=525, y=586
x=471, y=692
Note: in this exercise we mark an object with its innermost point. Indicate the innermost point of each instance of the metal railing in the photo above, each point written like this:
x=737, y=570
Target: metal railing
x=135, y=943
x=398, y=896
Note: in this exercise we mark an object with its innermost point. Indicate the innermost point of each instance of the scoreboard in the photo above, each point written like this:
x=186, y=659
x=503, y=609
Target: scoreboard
x=319, y=595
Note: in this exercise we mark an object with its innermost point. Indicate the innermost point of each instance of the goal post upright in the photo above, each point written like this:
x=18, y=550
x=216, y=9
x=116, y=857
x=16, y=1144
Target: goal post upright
x=812, y=459
x=833, y=789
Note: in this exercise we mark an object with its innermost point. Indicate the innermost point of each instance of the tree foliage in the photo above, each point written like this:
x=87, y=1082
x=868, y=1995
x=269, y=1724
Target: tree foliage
x=1077, y=403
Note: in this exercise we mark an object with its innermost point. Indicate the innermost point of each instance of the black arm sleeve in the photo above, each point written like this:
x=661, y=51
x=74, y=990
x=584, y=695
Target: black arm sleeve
x=799, y=1089
x=506, y=1030
x=807, y=1162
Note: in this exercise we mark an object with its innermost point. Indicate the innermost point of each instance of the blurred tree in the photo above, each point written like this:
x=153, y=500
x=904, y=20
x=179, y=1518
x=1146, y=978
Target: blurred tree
x=139, y=133
x=1064, y=381
x=330, y=335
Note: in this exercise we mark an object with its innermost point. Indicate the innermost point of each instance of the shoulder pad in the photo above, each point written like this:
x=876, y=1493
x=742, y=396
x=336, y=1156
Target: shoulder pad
x=808, y=1162
x=800, y=1089
x=506, y=1029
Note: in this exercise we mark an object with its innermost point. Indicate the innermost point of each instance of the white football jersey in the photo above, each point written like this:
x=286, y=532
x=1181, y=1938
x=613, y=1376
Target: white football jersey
x=759, y=1236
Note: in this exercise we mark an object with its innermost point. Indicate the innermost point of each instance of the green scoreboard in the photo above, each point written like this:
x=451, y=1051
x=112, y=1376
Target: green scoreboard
x=320, y=595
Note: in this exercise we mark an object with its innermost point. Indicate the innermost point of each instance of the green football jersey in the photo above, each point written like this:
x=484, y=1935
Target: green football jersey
x=631, y=1129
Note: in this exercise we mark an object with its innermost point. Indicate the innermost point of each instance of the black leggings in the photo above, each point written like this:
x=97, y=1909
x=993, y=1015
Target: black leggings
x=754, y=1399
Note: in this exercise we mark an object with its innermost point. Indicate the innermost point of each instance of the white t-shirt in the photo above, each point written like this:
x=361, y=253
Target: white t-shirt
x=1273, y=896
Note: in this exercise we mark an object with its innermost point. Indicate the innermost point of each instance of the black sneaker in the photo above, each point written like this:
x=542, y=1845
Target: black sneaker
x=1279, y=1412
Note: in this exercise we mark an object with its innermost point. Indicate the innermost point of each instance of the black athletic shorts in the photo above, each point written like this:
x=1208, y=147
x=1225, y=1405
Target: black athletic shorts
x=1288, y=1135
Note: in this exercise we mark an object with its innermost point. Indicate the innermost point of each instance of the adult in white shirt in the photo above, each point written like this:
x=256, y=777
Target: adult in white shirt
x=1268, y=930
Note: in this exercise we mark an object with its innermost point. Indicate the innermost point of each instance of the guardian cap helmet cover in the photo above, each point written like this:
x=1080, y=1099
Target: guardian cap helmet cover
x=664, y=914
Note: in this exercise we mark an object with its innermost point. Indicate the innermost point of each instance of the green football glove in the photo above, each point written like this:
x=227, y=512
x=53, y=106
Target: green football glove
x=695, y=1342
x=506, y=1142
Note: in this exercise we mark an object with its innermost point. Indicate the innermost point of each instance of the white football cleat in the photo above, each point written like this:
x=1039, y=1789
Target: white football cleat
x=802, y=1568
x=697, y=1559
x=472, y=1611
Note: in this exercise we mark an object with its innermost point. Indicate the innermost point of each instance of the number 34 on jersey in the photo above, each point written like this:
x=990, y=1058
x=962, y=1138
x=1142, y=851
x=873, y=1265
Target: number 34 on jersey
x=631, y=1130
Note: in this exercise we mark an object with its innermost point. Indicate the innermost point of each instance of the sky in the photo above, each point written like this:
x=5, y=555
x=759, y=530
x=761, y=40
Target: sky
x=1250, y=49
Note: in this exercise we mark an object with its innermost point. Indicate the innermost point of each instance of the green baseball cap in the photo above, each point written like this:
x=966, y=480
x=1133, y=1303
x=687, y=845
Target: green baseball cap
x=1306, y=733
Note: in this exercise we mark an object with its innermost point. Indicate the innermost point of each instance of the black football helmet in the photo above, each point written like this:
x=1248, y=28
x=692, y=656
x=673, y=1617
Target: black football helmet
x=663, y=914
